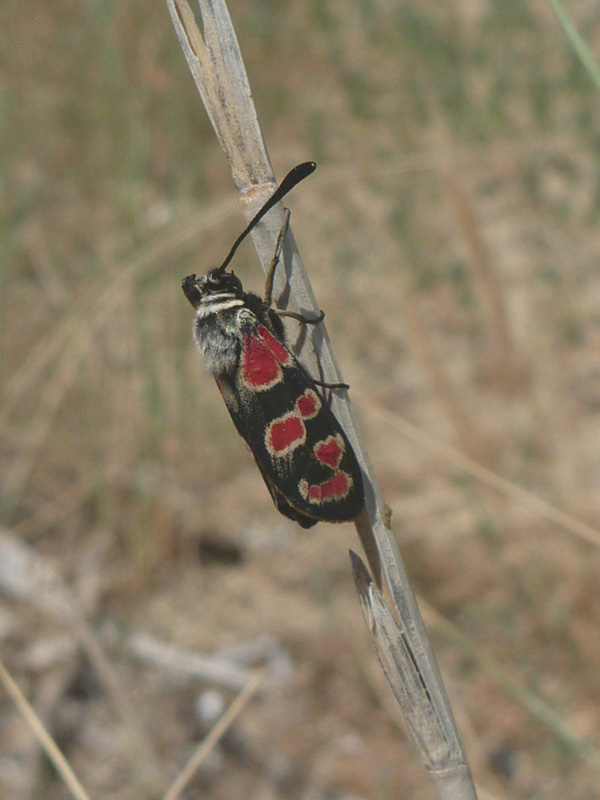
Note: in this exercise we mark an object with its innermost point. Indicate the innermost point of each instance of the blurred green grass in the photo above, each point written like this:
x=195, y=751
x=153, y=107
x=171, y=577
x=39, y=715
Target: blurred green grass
x=436, y=128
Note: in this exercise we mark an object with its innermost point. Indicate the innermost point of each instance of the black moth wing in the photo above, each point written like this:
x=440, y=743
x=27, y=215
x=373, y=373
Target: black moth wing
x=299, y=446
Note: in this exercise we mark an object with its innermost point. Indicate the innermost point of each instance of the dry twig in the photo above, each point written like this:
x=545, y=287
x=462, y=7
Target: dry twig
x=216, y=65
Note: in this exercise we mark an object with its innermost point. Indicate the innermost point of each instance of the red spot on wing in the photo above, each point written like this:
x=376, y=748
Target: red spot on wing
x=259, y=367
x=276, y=347
x=308, y=404
x=285, y=434
x=330, y=451
x=335, y=488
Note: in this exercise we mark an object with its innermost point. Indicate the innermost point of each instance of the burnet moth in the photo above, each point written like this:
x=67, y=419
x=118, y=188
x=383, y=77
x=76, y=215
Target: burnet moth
x=299, y=446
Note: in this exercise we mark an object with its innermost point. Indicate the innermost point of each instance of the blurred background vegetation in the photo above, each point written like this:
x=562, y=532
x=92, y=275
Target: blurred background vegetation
x=451, y=232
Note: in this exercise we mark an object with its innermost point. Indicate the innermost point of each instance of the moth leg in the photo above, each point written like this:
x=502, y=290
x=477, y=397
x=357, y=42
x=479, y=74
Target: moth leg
x=326, y=385
x=300, y=317
x=268, y=296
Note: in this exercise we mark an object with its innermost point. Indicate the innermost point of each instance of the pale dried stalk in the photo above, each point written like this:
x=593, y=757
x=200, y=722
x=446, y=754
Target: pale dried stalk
x=217, y=733
x=46, y=741
x=28, y=577
x=216, y=64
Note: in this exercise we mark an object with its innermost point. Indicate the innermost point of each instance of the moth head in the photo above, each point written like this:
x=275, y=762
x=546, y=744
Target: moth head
x=216, y=281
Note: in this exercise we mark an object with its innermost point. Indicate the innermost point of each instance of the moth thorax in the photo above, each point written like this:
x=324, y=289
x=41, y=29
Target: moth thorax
x=217, y=334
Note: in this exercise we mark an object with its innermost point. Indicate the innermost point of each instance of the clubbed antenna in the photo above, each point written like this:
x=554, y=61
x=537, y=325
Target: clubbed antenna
x=293, y=177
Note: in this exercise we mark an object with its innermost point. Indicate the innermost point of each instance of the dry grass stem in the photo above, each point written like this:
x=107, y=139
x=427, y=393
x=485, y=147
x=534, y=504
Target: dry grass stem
x=221, y=727
x=29, y=577
x=486, y=476
x=46, y=741
x=214, y=60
